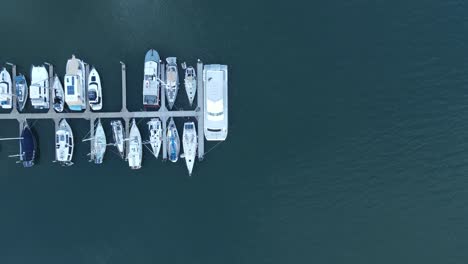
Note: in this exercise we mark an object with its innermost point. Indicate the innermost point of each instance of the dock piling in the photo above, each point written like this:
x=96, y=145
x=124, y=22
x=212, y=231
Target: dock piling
x=200, y=111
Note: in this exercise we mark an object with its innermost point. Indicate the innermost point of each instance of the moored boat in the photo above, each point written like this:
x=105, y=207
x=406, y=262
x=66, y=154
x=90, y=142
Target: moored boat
x=173, y=141
x=75, y=86
x=94, y=90
x=189, y=143
x=6, y=92
x=64, y=144
x=99, y=143
x=172, y=81
x=118, y=135
x=155, y=130
x=28, y=146
x=59, y=100
x=39, y=88
x=135, y=151
x=190, y=83
x=21, y=92
x=151, y=86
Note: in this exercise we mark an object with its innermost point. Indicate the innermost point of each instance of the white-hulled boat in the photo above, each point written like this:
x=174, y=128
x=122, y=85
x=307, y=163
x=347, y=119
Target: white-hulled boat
x=190, y=82
x=190, y=144
x=135, y=151
x=6, y=91
x=173, y=141
x=151, y=86
x=172, y=81
x=64, y=144
x=155, y=138
x=94, y=90
x=99, y=143
x=39, y=88
x=21, y=92
x=118, y=134
x=59, y=100
x=75, y=86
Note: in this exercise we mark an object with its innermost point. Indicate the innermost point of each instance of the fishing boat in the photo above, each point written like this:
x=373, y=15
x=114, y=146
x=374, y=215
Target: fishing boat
x=59, y=101
x=39, y=88
x=172, y=81
x=28, y=146
x=100, y=143
x=118, y=135
x=21, y=92
x=75, y=86
x=5, y=90
x=151, y=79
x=135, y=151
x=189, y=143
x=190, y=82
x=64, y=144
x=94, y=90
x=155, y=130
x=173, y=141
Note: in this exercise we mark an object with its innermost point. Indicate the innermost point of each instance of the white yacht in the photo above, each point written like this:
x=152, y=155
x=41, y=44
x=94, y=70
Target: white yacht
x=172, y=81
x=99, y=143
x=39, y=92
x=21, y=92
x=190, y=144
x=215, y=85
x=173, y=141
x=64, y=144
x=151, y=86
x=135, y=151
x=118, y=134
x=59, y=100
x=190, y=82
x=6, y=91
x=155, y=138
x=94, y=90
x=75, y=86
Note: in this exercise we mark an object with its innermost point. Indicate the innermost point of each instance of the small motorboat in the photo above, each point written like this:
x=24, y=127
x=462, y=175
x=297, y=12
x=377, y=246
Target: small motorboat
x=21, y=92
x=189, y=143
x=6, y=92
x=64, y=144
x=28, y=146
x=173, y=142
x=118, y=134
x=99, y=143
x=94, y=90
x=172, y=81
x=59, y=99
x=190, y=82
x=135, y=150
x=155, y=138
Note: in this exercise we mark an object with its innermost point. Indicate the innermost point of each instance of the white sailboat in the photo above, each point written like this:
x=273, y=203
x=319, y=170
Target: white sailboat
x=172, y=81
x=190, y=82
x=6, y=91
x=64, y=144
x=59, y=98
x=94, y=90
x=135, y=151
x=118, y=134
x=173, y=141
x=190, y=144
x=100, y=143
x=155, y=138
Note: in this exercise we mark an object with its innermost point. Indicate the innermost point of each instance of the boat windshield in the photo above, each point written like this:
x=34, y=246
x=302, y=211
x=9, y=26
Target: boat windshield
x=92, y=95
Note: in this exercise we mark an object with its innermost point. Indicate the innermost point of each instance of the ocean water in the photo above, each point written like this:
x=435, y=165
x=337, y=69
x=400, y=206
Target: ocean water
x=347, y=135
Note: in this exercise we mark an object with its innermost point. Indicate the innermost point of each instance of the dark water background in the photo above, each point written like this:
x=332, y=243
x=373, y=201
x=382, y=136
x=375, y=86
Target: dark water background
x=347, y=135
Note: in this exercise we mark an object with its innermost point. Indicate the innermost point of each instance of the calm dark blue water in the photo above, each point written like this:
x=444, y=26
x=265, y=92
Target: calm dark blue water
x=347, y=135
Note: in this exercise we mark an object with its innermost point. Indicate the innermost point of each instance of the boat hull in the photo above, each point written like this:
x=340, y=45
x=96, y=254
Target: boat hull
x=100, y=144
x=39, y=89
x=94, y=90
x=189, y=144
x=190, y=82
x=64, y=144
x=21, y=92
x=155, y=138
x=151, y=85
x=173, y=142
x=28, y=147
x=135, y=151
x=6, y=91
x=59, y=100
x=172, y=81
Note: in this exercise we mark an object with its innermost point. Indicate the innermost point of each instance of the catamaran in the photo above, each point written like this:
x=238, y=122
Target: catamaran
x=28, y=146
x=75, y=86
x=172, y=81
x=59, y=100
x=173, y=141
x=94, y=90
x=64, y=144
x=189, y=143
x=190, y=82
x=118, y=134
x=39, y=88
x=5, y=90
x=100, y=143
x=21, y=92
x=135, y=151
x=151, y=84
x=155, y=129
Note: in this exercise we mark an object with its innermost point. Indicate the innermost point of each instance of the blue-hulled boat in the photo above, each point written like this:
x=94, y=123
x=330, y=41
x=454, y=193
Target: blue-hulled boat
x=28, y=146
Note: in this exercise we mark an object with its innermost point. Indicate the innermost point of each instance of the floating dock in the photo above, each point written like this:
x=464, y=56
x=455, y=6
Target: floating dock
x=124, y=114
